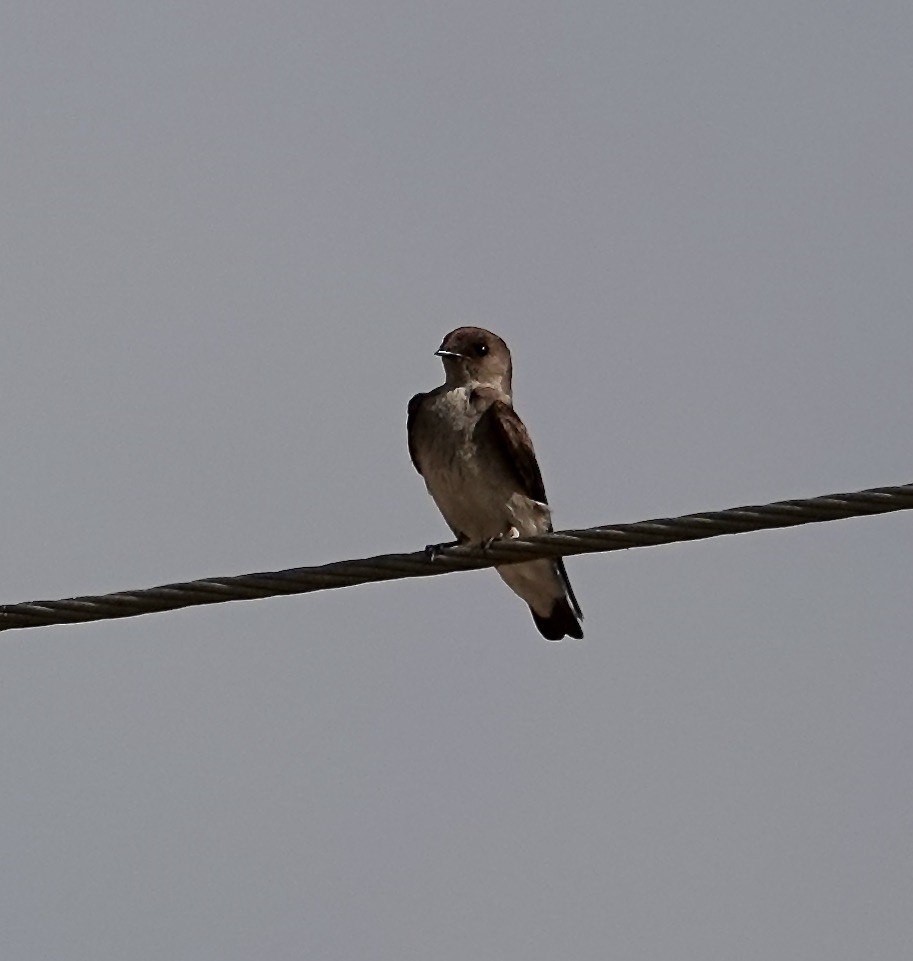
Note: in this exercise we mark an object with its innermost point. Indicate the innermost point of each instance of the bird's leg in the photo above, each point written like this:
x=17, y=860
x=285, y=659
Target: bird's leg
x=432, y=550
x=511, y=534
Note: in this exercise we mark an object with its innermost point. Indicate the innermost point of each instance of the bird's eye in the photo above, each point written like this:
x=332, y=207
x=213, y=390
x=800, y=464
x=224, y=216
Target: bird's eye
x=480, y=350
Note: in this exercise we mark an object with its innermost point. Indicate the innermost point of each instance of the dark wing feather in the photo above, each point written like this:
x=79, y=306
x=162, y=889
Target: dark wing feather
x=513, y=439
x=414, y=406
x=517, y=448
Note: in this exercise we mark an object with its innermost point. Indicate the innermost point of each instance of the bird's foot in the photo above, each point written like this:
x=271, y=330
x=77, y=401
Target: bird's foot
x=510, y=534
x=433, y=550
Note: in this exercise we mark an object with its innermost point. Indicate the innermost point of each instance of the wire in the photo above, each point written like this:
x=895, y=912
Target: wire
x=388, y=567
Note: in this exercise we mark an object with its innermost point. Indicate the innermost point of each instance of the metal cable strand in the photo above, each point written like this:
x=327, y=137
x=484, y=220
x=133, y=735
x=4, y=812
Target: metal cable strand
x=387, y=567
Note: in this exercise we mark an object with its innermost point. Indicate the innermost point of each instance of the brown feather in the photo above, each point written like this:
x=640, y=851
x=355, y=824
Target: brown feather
x=513, y=439
x=414, y=406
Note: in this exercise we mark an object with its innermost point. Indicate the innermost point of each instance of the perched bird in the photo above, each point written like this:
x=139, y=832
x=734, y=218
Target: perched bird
x=475, y=455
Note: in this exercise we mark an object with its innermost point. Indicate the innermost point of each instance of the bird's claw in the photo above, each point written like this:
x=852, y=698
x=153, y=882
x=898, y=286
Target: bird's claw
x=433, y=550
x=510, y=534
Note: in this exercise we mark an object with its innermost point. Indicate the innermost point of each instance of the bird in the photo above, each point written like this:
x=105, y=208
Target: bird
x=477, y=460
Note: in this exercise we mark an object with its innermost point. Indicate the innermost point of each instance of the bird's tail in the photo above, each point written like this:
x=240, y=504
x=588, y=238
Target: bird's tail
x=562, y=573
x=562, y=622
x=565, y=616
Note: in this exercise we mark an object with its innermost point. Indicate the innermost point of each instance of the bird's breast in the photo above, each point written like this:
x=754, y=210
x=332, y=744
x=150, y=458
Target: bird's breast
x=466, y=474
x=452, y=445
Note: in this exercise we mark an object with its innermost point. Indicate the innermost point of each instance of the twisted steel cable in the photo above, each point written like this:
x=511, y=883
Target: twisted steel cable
x=388, y=567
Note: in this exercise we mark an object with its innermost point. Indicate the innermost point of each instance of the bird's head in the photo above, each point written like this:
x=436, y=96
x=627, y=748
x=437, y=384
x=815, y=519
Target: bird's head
x=475, y=355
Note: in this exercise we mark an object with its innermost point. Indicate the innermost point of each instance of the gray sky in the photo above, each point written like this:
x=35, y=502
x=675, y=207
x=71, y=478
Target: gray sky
x=232, y=237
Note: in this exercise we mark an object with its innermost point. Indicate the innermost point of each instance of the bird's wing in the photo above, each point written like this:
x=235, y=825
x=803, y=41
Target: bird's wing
x=513, y=439
x=414, y=406
x=517, y=448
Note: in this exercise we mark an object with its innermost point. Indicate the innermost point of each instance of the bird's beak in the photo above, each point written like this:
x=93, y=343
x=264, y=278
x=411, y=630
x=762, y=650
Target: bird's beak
x=446, y=353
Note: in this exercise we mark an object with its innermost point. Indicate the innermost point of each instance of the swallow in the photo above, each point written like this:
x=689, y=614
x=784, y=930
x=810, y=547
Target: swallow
x=478, y=463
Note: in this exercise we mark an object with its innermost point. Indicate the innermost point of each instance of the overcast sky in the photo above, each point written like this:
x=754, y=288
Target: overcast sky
x=232, y=237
